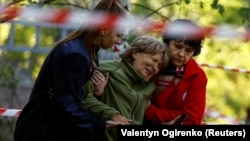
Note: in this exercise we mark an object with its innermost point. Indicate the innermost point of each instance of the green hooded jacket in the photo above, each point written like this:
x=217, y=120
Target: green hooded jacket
x=126, y=93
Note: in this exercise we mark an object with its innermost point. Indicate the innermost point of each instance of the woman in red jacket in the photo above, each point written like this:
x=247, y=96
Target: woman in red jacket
x=181, y=87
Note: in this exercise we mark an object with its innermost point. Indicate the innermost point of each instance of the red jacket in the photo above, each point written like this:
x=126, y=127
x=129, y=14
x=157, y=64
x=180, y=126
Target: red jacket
x=188, y=96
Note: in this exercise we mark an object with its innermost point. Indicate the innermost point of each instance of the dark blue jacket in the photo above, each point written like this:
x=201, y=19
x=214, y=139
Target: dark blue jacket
x=54, y=110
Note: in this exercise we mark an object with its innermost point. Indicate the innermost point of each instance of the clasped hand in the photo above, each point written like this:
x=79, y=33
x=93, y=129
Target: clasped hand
x=100, y=81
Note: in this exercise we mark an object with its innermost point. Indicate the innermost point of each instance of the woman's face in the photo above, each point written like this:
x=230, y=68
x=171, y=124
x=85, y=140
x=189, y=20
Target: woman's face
x=110, y=38
x=147, y=65
x=179, y=52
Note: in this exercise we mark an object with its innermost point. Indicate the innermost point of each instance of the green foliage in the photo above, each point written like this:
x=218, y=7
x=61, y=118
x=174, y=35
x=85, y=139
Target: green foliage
x=245, y=12
x=187, y=1
x=7, y=127
x=132, y=37
x=49, y=36
x=7, y=73
x=28, y=32
x=214, y=4
x=217, y=6
x=201, y=5
x=37, y=61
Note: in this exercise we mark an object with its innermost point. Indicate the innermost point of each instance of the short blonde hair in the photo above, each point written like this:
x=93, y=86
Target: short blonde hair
x=146, y=44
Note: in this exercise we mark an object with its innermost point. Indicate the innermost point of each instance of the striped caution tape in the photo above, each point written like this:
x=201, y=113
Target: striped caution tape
x=240, y=70
x=95, y=20
x=10, y=112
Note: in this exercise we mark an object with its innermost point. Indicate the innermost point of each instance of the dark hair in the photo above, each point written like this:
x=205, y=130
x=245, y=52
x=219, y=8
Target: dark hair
x=187, y=31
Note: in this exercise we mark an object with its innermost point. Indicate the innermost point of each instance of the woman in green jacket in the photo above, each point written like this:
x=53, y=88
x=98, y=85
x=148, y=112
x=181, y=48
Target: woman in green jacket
x=120, y=89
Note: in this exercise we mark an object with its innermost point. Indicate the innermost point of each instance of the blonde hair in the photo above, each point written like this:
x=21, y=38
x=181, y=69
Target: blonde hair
x=146, y=44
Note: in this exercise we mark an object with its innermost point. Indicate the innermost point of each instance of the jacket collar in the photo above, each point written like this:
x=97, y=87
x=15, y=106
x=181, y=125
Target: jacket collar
x=192, y=68
x=131, y=73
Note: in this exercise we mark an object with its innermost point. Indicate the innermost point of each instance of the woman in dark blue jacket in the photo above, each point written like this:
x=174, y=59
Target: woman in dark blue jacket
x=54, y=111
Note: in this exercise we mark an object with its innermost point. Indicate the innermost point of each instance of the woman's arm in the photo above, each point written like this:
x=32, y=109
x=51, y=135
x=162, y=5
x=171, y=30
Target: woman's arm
x=68, y=76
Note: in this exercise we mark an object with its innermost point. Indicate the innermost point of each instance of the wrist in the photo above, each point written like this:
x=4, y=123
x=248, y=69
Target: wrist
x=98, y=93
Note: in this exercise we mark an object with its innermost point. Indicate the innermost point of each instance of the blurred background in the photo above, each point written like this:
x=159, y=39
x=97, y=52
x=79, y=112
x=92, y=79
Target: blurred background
x=225, y=59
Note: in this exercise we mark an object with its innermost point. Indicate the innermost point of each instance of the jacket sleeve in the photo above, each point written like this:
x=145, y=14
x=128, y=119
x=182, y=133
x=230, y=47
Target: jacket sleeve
x=96, y=106
x=69, y=74
x=193, y=106
x=195, y=102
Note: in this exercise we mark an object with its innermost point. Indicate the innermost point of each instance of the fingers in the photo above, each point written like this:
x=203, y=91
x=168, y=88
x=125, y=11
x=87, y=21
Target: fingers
x=112, y=124
x=172, y=121
x=129, y=121
x=107, y=75
x=97, y=77
x=122, y=119
x=99, y=80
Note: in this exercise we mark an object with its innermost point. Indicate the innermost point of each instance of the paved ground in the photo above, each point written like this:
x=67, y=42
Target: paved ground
x=14, y=98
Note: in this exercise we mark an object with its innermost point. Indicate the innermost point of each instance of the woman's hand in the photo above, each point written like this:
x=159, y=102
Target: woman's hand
x=120, y=118
x=117, y=119
x=100, y=81
x=112, y=124
x=178, y=120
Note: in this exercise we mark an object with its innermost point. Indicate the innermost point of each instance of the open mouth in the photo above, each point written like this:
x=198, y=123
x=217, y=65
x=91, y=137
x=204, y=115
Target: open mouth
x=149, y=70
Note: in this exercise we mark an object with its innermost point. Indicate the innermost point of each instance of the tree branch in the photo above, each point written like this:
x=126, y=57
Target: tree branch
x=154, y=11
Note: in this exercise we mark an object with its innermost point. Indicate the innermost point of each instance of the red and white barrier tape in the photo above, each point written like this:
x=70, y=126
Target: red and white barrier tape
x=10, y=112
x=88, y=20
x=240, y=70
